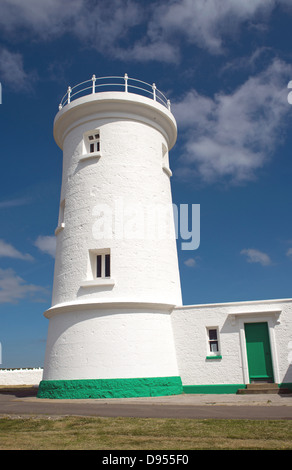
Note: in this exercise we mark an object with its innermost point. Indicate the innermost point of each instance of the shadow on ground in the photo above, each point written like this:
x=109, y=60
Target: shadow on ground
x=19, y=392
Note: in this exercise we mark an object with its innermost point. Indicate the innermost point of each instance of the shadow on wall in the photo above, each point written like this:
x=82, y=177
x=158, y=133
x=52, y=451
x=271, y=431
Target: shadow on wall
x=287, y=379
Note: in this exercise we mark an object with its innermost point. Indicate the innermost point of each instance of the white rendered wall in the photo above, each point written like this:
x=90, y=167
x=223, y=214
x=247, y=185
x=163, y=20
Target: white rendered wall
x=190, y=324
x=16, y=377
x=110, y=343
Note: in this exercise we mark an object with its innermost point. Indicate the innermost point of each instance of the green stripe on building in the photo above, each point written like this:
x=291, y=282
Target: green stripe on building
x=222, y=388
x=215, y=389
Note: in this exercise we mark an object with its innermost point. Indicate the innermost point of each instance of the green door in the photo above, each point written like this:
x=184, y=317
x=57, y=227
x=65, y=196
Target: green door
x=258, y=352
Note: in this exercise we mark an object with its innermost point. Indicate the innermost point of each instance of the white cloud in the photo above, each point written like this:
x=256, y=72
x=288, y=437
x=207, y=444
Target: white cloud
x=12, y=71
x=13, y=202
x=13, y=288
x=256, y=256
x=96, y=23
x=144, y=51
x=110, y=27
x=46, y=244
x=8, y=251
x=231, y=136
x=207, y=23
x=45, y=19
x=100, y=25
x=190, y=262
x=289, y=253
x=104, y=24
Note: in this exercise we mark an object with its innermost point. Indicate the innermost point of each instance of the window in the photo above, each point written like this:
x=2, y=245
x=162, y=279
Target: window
x=61, y=213
x=165, y=160
x=91, y=145
x=103, y=265
x=99, y=269
x=61, y=223
x=94, y=142
x=213, y=341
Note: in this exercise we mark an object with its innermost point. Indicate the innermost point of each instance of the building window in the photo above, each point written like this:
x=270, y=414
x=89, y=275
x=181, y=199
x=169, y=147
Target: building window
x=99, y=270
x=94, y=142
x=61, y=222
x=61, y=212
x=91, y=145
x=165, y=161
x=213, y=341
x=103, y=265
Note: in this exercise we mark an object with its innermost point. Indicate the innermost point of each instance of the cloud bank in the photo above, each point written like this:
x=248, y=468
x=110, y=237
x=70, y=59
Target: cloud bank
x=231, y=136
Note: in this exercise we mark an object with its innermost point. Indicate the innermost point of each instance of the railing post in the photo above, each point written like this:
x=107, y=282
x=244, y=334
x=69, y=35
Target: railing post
x=154, y=91
x=93, y=83
x=168, y=105
x=60, y=106
x=126, y=82
x=69, y=93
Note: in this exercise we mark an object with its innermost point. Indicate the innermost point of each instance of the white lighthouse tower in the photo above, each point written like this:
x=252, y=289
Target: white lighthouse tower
x=116, y=277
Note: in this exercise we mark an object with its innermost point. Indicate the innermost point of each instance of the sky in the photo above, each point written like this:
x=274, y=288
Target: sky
x=225, y=66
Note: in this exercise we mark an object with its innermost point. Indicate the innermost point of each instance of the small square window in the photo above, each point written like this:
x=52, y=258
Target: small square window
x=99, y=271
x=92, y=142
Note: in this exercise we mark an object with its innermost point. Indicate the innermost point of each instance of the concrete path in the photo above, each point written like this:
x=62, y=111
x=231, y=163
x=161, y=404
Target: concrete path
x=23, y=401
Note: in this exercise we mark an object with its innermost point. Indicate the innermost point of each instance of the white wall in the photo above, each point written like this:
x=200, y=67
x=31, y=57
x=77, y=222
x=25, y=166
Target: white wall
x=20, y=376
x=190, y=324
x=105, y=343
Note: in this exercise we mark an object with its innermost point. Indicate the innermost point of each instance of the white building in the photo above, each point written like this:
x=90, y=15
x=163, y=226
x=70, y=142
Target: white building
x=117, y=327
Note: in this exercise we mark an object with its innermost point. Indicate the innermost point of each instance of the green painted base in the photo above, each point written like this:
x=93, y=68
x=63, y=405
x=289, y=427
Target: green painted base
x=213, y=389
x=110, y=388
x=222, y=388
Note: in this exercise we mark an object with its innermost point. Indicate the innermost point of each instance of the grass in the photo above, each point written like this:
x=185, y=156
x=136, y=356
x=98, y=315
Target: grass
x=80, y=433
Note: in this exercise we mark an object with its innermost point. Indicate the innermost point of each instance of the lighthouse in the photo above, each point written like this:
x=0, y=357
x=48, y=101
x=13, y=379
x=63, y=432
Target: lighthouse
x=116, y=278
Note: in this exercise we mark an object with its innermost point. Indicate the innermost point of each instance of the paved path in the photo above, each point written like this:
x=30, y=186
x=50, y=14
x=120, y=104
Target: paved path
x=23, y=401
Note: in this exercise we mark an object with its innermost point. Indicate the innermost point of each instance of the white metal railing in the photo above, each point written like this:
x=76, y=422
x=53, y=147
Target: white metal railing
x=125, y=84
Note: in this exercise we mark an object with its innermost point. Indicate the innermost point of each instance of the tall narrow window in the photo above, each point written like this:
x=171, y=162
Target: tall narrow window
x=103, y=265
x=165, y=160
x=61, y=222
x=98, y=265
x=213, y=340
x=107, y=266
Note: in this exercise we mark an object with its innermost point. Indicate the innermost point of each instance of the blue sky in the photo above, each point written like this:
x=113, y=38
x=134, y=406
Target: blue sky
x=225, y=66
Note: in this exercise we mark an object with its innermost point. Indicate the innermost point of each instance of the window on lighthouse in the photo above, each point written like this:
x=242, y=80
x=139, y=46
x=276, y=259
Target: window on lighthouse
x=94, y=142
x=103, y=265
x=165, y=160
